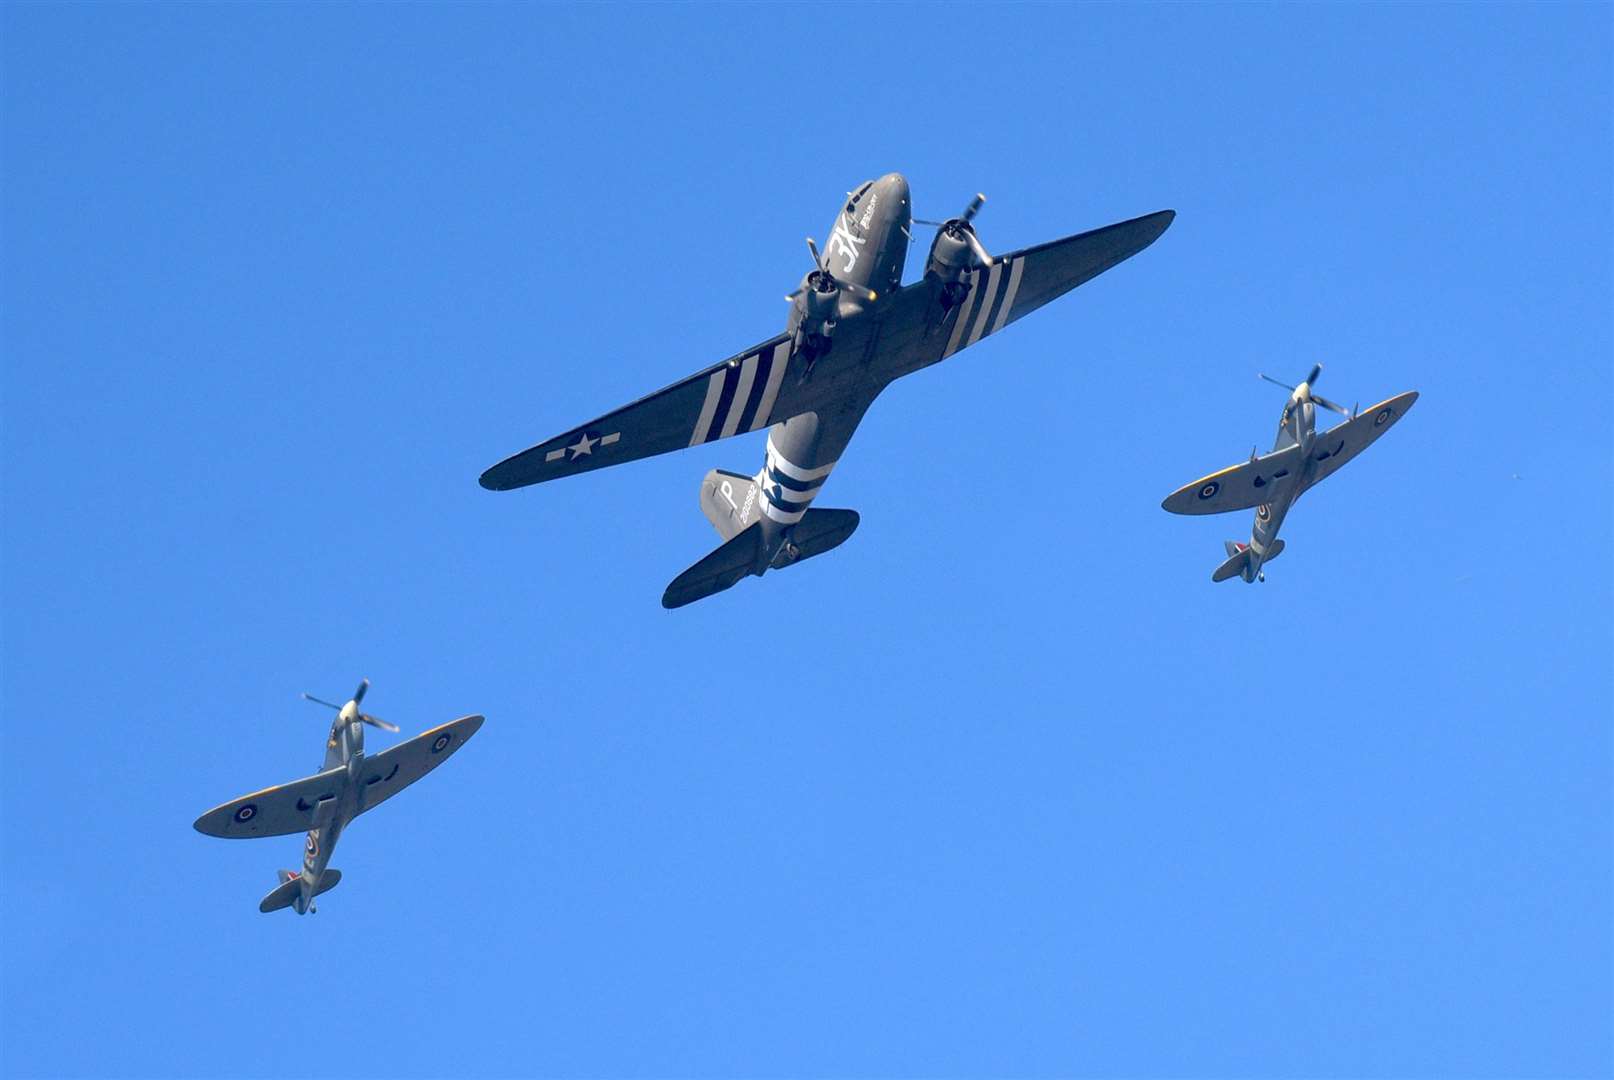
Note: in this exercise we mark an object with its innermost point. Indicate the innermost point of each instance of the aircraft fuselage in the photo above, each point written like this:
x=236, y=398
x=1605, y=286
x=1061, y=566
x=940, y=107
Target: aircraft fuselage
x=345, y=749
x=868, y=247
x=1297, y=425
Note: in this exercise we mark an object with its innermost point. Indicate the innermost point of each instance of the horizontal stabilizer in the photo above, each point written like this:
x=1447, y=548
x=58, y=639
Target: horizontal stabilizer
x=719, y=570
x=1241, y=560
x=817, y=532
x=1238, y=561
x=285, y=894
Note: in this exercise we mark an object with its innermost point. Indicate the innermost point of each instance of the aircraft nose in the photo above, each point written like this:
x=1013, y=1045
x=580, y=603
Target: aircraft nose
x=894, y=186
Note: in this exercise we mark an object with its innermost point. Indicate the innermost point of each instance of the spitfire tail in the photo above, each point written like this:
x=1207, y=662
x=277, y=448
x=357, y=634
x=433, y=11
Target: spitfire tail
x=1241, y=561
x=285, y=894
x=1238, y=563
x=289, y=891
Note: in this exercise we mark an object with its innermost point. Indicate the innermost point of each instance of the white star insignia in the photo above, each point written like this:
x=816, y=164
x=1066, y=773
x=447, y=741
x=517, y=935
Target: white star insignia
x=584, y=445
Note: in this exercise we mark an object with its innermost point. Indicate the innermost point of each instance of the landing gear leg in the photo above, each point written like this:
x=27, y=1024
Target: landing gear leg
x=811, y=348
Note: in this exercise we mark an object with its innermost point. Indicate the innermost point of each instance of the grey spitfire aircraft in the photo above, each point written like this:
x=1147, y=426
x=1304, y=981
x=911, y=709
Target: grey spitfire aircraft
x=322, y=805
x=1301, y=458
x=853, y=328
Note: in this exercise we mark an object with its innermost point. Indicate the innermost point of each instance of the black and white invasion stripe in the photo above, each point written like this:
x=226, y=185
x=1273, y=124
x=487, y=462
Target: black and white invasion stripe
x=740, y=394
x=986, y=308
x=788, y=489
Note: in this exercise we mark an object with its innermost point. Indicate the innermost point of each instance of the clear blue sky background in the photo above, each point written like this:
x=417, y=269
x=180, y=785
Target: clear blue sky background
x=1005, y=786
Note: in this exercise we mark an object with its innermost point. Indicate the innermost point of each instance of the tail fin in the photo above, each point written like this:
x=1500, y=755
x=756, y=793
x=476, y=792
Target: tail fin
x=730, y=502
x=285, y=894
x=1237, y=564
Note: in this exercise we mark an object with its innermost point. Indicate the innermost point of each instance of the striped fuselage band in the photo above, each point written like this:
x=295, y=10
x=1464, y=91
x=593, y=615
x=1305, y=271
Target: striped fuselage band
x=788, y=489
x=740, y=394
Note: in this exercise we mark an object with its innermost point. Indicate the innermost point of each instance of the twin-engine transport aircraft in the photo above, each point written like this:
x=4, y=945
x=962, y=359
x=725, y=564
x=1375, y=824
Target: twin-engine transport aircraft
x=853, y=329
x=324, y=803
x=1300, y=458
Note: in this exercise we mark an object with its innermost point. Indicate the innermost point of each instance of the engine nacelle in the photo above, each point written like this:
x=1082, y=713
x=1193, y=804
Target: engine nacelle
x=816, y=308
x=950, y=253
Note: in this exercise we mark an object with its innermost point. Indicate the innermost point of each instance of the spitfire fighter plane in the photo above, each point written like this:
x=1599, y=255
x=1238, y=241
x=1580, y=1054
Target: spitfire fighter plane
x=322, y=805
x=1301, y=458
x=853, y=328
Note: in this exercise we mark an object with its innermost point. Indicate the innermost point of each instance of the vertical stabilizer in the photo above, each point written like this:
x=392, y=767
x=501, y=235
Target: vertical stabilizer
x=731, y=502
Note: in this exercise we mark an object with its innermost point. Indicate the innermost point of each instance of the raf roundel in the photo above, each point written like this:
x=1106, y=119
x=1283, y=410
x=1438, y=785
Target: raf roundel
x=1209, y=490
x=1383, y=416
x=246, y=813
x=312, y=846
x=440, y=743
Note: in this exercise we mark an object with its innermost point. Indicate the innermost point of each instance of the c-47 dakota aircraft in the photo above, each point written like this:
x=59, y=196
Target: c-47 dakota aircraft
x=1300, y=458
x=323, y=804
x=853, y=329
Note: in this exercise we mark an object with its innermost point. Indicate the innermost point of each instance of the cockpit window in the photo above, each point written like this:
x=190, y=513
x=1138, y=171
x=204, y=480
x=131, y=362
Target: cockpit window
x=851, y=204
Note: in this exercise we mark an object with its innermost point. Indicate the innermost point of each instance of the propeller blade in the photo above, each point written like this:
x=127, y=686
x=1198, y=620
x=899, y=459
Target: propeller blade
x=1316, y=370
x=358, y=695
x=966, y=217
x=1275, y=382
x=812, y=246
x=845, y=286
x=376, y=721
x=1325, y=403
x=322, y=701
x=863, y=292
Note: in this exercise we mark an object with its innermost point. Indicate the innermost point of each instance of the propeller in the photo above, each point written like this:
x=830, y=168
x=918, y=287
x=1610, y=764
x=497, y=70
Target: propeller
x=358, y=696
x=1318, y=399
x=961, y=230
x=822, y=280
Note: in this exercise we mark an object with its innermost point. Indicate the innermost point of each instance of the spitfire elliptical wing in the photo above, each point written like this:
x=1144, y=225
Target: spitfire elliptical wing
x=278, y=811
x=1338, y=445
x=1238, y=487
x=395, y=768
x=726, y=399
x=1020, y=282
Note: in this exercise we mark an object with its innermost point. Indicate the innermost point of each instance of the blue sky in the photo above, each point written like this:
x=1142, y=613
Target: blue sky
x=1002, y=787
